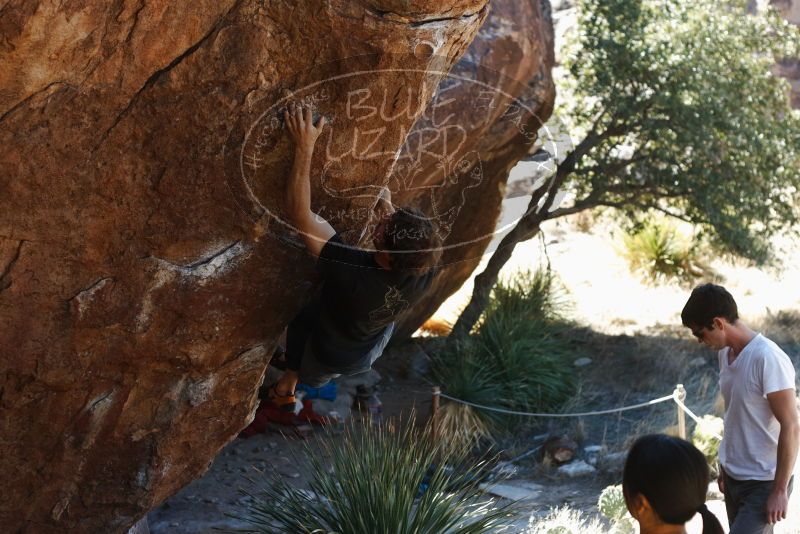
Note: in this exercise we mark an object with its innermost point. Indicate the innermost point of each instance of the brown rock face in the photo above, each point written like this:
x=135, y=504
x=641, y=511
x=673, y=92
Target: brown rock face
x=145, y=268
x=499, y=95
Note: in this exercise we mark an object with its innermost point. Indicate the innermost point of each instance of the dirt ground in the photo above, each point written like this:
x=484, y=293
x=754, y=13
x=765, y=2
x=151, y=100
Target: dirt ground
x=201, y=507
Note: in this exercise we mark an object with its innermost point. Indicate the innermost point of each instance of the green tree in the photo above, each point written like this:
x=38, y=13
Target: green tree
x=677, y=110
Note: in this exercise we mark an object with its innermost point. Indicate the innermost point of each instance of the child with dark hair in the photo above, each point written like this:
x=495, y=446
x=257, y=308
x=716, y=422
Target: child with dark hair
x=665, y=483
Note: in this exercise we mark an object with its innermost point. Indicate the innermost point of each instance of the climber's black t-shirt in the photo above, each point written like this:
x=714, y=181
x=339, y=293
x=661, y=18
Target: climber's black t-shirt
x=358, y=300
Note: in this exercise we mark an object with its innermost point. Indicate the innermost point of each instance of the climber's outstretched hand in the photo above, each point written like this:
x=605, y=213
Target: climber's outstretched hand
x=299, y=121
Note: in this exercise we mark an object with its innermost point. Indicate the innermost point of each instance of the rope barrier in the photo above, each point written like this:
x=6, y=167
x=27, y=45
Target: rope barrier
x=675, y=396
x=582, y=414
x=694, y=417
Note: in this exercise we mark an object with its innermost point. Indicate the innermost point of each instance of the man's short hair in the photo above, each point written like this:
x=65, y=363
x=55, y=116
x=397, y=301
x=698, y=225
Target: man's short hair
x=412, y=240
x=707, y=302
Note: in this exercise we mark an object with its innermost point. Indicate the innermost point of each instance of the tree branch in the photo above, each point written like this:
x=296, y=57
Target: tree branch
x=528, y=226
x=589, y=202
x=674, y=215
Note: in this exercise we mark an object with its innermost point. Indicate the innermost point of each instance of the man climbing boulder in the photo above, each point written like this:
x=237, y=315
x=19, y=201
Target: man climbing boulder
x=347, y=325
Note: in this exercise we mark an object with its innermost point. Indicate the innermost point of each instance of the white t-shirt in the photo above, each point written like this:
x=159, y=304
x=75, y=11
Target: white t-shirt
x=749, y=448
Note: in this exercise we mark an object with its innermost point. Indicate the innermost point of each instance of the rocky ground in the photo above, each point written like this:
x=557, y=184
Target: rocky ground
x=211, y=502
x=216, y=501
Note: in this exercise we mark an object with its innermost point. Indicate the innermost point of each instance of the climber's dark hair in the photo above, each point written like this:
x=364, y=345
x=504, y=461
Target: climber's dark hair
x=705, y=303
x=673, y=475
x=412, y=240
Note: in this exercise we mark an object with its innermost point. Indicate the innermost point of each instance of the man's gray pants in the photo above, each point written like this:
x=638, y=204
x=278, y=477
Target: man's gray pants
x=746, y=504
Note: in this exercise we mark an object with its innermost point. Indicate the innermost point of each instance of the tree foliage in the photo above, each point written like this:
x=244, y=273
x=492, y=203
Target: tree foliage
x=686, y=115
x=674, y=107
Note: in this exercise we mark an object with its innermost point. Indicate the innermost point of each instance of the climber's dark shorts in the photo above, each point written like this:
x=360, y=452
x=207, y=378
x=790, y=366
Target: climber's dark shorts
x=300, y=356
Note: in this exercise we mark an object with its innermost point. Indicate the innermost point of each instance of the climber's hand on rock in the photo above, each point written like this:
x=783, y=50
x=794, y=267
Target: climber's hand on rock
x=384, y=205
x=299, y=121
x=385, y=194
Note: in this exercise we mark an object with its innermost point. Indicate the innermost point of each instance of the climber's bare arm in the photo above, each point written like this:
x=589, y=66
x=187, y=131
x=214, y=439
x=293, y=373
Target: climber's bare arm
x=314, y=230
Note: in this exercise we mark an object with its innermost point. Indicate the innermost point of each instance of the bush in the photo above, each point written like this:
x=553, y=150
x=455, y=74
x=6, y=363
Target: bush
x=611, y=505
x=704, y=439
x=527, y=343
x=565, y=521
x=661, y=253
x=522, y=297
x=381, y=479
x=519, y=358
x=465, y=374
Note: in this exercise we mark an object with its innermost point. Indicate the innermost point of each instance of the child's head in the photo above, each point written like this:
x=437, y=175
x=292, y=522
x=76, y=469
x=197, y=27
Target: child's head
x=665, y=482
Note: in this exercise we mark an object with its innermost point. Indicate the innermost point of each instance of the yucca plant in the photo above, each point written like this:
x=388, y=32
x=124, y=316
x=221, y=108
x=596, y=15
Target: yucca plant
x=381, y=479
x=523, y=296
x=565, y=520
x=535, y=367
x=466, y=374
x=519, y=358
x=660, y=252
x=524, y=335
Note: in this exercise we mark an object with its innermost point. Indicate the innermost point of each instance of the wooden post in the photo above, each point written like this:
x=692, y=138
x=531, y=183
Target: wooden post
x=680, y=394
x=436, y=392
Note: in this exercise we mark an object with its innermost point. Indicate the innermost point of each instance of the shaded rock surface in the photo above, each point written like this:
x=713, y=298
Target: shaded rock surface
x=500, y=94
x=145, y=268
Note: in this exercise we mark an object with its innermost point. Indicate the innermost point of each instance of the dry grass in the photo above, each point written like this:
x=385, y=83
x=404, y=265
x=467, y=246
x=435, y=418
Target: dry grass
x=458, y=423
x=783, y=327
x=631, y=369
x=627, y=370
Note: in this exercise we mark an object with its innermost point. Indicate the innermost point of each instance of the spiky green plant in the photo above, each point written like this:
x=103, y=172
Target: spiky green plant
x=565, y=520
x=519, y=358
x=661, y=253
x=466, y=374
x=524, y=335
x=381, y=479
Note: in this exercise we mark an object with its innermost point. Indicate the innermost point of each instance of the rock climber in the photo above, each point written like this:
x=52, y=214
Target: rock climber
x=347, y=325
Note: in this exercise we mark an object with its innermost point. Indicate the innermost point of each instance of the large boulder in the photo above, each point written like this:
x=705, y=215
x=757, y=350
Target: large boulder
x=499, y=96
x=145, y=266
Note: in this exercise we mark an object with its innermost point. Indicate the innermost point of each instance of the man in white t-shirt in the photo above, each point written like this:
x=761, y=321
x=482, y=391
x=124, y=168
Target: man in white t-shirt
x=757, y=381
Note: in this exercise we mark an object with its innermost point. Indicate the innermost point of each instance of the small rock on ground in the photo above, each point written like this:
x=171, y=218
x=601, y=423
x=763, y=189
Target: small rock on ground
x=576, y=469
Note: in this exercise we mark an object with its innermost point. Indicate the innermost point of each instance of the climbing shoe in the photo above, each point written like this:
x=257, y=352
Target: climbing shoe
x=284, y=403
